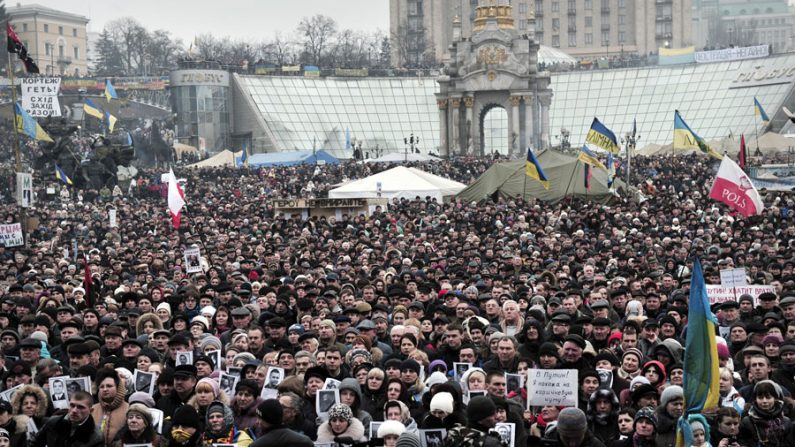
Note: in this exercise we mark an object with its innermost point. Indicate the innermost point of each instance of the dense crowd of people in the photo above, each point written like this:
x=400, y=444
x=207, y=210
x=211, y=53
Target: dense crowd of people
x=420, y=323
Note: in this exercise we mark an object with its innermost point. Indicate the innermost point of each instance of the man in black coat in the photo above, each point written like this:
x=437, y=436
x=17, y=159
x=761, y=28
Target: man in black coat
x=274, y=432
x=74, y=429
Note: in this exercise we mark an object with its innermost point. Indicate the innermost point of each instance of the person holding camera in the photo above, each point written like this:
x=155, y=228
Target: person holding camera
x=726, y=429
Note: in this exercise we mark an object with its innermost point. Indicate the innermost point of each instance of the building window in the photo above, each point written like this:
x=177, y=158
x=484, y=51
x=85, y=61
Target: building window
x=622, y=3
x=77, y=53
x=540, y=37
x=622, y=38
x=588, y=38
x=540, y=25
x=47, y=49
x=412, y=8
x=588, y=21
x=555, y=6
x=74, y=32
x=572, y=23
x=522, y=24
x=605, y=38
x=539, y=8
x=572, y=5
x=60, y=30
x=46, y=28
x=555, y=24
x=588, y=5
x=523, y=8
x=24, y=27
x=556, y=41
x=60, y=50
x=572, y=40
x=621, y=19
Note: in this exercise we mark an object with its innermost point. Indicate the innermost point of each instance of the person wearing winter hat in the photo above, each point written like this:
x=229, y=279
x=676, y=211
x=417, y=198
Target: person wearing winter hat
x=481, y=418
x=395, y=410
x=572, y=429
x=220, y=427
x=351, y=395
x=408, y=440
x=765, y=422
x=5, y=438
x=643, y=430
x=138, y=429
x=274, y=433
x=341, y=424
x=185, y=428
x=672, y=405
x=442, y=406
x=390, y=431
x=207, y=391
x=699, y=427
x=245, y=402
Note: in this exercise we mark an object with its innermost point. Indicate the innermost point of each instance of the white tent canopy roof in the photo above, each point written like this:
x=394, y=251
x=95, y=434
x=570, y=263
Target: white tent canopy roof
x=396, y=157
x=399, y=182
x=224, y=158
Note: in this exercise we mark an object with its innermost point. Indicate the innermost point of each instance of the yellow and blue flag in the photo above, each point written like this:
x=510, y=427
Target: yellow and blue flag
x=685, y=138
x=532, y=168
x=60, y=175
x=109, y=121
x=244, y=156
x=110, y=92
x=90, y=108
x=601, y=136
x=702, y=376
x=129, y=139
x=611, y=170
x=27, y=125
x=760, y=112
x=589, y=158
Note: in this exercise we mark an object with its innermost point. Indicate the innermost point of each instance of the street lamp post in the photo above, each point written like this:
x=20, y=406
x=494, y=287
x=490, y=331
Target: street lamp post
x=630, y=140
x=410, y=142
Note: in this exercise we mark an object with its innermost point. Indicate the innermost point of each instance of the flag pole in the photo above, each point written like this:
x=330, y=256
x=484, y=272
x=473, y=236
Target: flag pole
x=573, y=173
x=17, y=152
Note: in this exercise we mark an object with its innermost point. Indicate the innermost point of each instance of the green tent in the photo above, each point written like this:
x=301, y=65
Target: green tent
x=566, y=174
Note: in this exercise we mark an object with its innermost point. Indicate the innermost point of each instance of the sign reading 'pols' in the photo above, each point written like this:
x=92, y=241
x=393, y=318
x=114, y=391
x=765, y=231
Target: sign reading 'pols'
x=40, y=96
x=556, y=387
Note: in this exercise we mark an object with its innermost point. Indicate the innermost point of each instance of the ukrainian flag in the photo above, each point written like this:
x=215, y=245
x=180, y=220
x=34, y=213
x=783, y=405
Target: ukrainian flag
x=244, y=156
x=532, y=168
x=685, y=138
x=60, y=175
x=110, y=92
x=110, y=121
x=601, y=136
x=92, y=109
x=589, y=158
x=702, y=376
x=27, y=125
x=760, y=112
x=611, y=170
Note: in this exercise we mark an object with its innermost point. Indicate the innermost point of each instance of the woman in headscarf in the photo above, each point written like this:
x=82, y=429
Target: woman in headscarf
x=138, y=429
x=110, y=411
x=220, y=427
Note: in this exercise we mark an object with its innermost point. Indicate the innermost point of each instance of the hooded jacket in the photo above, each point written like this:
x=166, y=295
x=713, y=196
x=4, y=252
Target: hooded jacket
x=603, y=427
x=229, y=434
x=41, y=403
x=352, y=384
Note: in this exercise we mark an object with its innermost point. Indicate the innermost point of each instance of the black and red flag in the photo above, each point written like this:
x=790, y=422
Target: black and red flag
x=743, y=153
x=15, y=46
x=88, y=281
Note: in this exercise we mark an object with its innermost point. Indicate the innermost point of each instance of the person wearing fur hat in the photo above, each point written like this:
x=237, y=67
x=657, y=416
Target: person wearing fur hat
x=390, y=431
x=644, y=428
x=340, y=424
x=138, y=429
x=765, y=423
x=672, y=405
x=110, y=413
x=16, y=426
x=31, y=401
x=220, y=427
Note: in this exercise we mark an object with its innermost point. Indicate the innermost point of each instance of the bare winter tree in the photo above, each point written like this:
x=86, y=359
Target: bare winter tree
x=280, y=50
x=133, y=40
x=317, y=33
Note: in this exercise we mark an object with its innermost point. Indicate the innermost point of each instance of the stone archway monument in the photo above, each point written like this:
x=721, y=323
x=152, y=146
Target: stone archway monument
x=496, y=67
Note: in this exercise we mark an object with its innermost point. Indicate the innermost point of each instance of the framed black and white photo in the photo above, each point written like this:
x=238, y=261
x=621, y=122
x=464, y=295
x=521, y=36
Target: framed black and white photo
x=507, y=433
x=76, y=384
x=473, y=394
x=331, y=384
x=374, y=425
x=8, y=394
x=192, y=257
x=157, y=419
x=513, y=383
x=58, y=394
x=144, y=381
x=432, y=437
x=217, y=358
x=459, y=369
x=605, y=378
x=234, y=371
x=325, y=400
x=274, y=377
x=227, y=382
x=184, y=358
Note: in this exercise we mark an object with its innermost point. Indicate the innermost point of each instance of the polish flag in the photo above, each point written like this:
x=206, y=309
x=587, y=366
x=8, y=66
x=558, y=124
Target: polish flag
x=176, y=198
x=733, y=187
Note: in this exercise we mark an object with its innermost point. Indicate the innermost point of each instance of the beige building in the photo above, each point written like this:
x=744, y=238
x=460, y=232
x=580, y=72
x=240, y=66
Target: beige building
x=422, y=30
x=56, y=40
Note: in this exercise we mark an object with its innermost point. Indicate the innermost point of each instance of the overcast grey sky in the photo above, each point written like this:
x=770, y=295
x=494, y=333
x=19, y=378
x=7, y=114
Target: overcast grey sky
x=250, y=19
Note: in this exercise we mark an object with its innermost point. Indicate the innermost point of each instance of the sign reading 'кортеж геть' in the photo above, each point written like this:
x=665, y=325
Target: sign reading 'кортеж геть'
x=557, y=387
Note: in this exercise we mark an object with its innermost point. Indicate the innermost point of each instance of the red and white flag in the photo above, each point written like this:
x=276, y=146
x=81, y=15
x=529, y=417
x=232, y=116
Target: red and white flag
x=176, y=198
x=733, y=187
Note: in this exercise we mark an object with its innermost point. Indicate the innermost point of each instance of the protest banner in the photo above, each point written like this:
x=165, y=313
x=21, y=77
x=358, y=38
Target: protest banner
x=557, y=387
x=11, y=235
x=719, y=294
x=733, y=277
x=40, y=96
x=193, y=260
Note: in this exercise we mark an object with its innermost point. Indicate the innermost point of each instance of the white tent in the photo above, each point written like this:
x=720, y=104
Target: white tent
x=225, y=158
x=399, y=182
x=396, y=157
